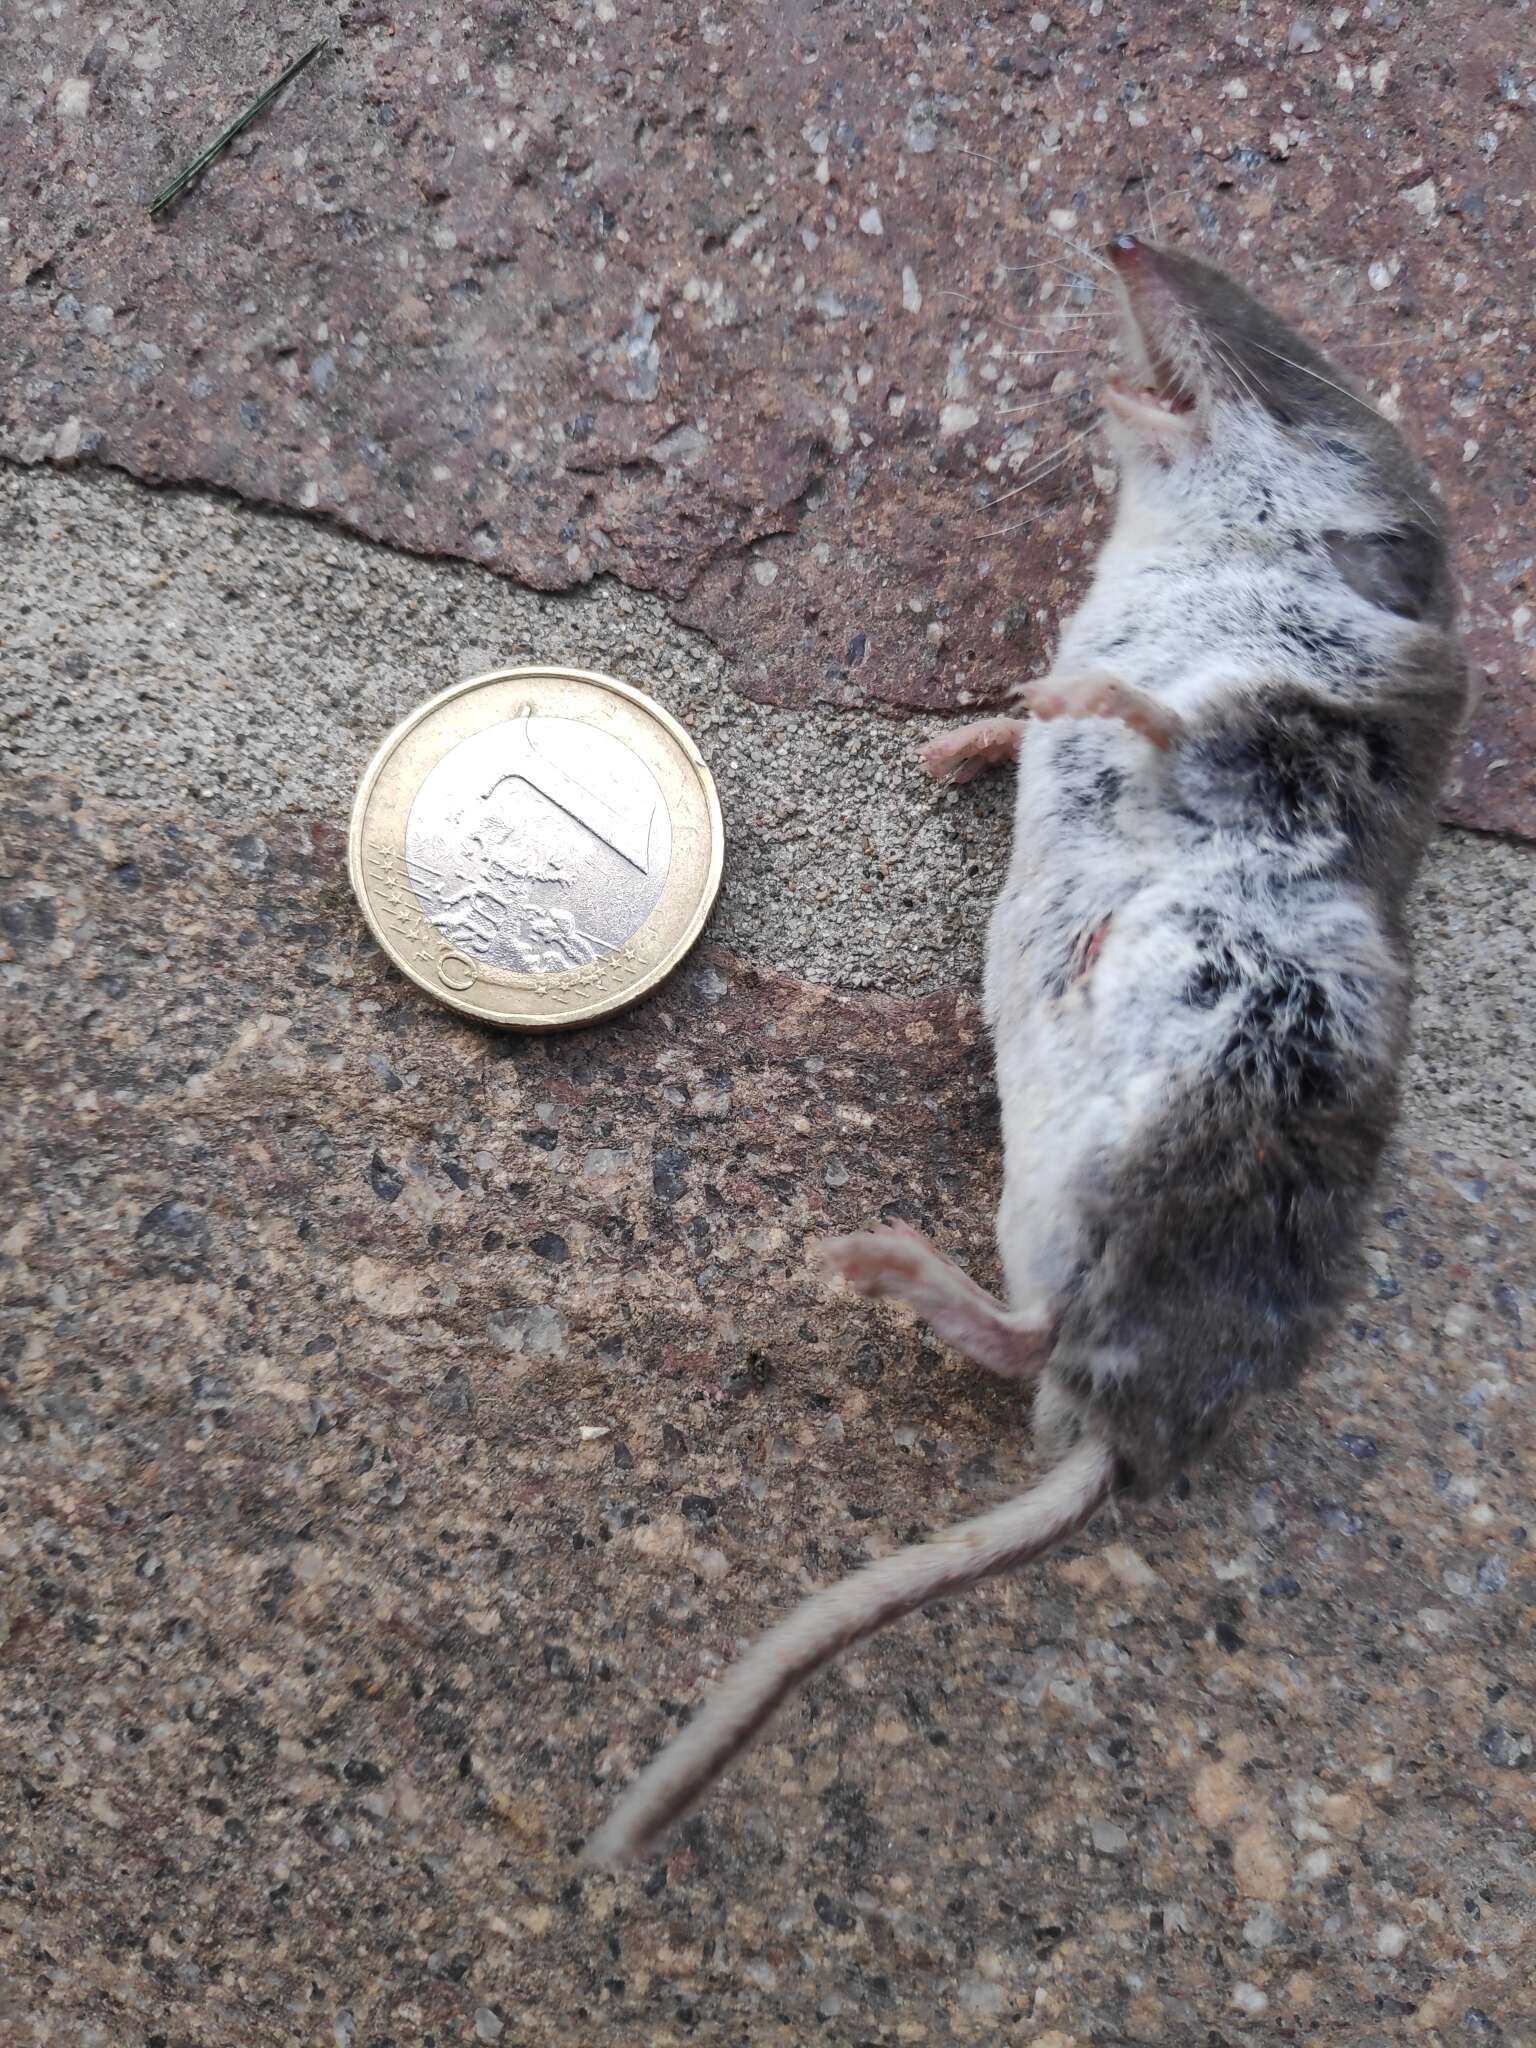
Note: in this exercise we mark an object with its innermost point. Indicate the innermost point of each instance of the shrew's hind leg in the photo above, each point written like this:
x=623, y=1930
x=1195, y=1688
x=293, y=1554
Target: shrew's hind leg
x=901, y=1264
x=960, y=755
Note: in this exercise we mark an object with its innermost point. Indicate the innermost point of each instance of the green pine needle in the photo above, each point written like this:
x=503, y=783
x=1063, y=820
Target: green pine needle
x=221, y=142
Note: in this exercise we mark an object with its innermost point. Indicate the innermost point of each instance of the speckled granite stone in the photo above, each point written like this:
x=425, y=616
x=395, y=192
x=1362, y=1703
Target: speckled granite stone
x=400, y=1424
x=732, y=303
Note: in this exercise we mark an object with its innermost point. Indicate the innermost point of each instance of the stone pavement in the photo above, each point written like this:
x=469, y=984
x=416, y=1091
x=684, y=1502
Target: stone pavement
x=399, y=1424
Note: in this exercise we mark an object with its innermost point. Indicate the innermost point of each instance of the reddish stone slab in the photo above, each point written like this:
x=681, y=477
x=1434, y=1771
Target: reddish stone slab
x=718, y=303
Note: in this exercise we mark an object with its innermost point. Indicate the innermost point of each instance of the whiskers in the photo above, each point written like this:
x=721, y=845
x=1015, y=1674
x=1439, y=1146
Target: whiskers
x=1146, y=191
x=1041, y=333
x=1005, y=412
x=1052, y=322
x=1234, y=370
x=1075, y=342
x=1046, y=468
x=1344, y=391
x=1075, y=413
x=1062, y=458
x=1071, y=321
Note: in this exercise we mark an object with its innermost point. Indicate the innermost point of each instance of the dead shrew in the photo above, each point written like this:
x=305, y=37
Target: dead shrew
x=1197, y=976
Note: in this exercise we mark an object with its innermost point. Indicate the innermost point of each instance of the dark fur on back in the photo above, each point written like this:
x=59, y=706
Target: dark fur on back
x=1338, y=790
x=1218, y=1256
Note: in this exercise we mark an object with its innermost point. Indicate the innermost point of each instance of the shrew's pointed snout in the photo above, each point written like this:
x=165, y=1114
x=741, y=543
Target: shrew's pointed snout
x=1160, y=403
x=1127, y=252
x=1140, y=265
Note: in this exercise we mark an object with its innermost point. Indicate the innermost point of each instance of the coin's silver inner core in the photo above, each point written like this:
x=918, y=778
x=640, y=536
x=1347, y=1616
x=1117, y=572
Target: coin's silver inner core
x=539, y=845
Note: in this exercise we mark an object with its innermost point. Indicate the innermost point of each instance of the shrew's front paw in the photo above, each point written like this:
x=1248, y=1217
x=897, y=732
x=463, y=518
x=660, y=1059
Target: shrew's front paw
x=960, y=755
x=1096, y=693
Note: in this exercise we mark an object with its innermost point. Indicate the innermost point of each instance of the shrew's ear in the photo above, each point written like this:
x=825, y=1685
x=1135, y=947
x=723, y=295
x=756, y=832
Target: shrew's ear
x=1402, y=571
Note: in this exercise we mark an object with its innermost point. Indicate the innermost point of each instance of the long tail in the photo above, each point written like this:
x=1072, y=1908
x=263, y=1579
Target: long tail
x=748, y=1697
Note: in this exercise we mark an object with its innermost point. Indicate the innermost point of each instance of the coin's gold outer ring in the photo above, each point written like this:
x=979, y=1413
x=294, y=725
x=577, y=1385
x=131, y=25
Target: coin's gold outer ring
x=649, y=975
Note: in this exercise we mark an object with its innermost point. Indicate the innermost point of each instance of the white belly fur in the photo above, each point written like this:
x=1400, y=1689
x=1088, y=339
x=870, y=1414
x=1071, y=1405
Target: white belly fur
x=1079, y=1075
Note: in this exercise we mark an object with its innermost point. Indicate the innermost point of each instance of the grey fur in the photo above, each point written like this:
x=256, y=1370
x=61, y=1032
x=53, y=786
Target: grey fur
x=1197, y=973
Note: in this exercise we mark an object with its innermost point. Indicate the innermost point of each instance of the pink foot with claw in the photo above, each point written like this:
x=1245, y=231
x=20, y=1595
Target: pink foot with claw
x=958, y=756
x=899, y=1262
